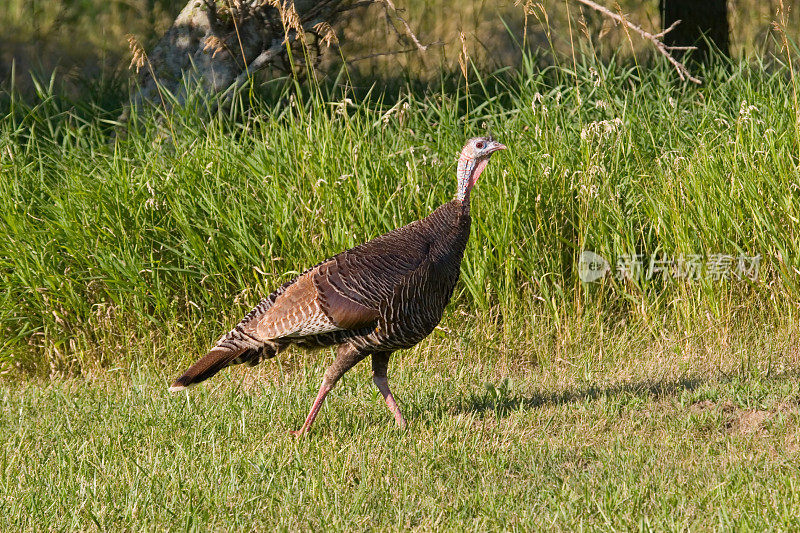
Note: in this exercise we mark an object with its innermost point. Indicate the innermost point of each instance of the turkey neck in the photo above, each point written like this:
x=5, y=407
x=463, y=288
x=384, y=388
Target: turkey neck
x=449, y=228
x=467, y=174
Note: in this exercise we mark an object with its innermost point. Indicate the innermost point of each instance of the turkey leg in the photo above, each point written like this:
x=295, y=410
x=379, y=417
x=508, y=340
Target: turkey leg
x=346, y=358
x=380, y=362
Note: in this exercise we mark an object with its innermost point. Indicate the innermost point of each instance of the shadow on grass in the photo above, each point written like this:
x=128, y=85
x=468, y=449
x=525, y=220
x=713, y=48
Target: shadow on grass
x=497, y=402
x=502, y=405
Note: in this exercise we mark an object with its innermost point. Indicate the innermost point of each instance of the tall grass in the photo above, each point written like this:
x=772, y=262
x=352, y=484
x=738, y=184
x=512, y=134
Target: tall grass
x=159, y=238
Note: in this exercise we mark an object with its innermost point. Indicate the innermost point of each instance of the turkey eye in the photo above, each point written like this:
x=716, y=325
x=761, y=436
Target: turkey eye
x=479, y=145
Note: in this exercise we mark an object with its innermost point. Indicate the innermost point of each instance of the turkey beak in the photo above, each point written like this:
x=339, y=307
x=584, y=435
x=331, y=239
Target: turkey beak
x=497, y=146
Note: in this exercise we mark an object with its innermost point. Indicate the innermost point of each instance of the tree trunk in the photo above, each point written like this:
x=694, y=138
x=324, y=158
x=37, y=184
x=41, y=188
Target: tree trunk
x=699, y=19
x=215, y=45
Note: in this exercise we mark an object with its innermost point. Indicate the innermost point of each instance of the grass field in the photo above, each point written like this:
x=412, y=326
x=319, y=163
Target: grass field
x=540, y=402
x=679, y=436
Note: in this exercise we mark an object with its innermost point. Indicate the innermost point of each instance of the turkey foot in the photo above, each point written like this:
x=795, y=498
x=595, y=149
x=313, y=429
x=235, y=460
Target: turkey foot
x=383, y=385
x=312, y=414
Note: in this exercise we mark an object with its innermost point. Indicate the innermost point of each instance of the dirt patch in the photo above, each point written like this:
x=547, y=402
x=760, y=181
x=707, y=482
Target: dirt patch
x=748, y=421
x=699, y=407
x=737, y=421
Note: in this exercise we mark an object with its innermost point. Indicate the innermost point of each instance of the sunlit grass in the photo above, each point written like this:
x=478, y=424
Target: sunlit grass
x=155, y=240
x=540, y=402
x=615, y=433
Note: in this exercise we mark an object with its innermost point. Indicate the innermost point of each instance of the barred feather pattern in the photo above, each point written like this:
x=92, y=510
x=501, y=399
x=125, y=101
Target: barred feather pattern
x=386, y=294
x=408, y=274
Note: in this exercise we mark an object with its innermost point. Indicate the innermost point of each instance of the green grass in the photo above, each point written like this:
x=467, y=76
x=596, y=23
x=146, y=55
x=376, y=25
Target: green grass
x=638, y=404
x=156, y=240
x=663, y=439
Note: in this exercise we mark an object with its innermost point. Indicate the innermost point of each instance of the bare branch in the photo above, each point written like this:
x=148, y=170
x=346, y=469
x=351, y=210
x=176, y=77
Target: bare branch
x=394, y=53
x=263, y=59
x=388, y=4
x=683, y=72
x=671, y=27
x=355, y=5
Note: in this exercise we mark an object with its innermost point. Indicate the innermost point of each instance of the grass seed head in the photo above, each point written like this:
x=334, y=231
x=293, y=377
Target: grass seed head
x=138, y=55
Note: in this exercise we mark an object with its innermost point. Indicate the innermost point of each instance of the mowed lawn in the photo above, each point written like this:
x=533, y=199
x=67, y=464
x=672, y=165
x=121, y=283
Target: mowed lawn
x=609, y=435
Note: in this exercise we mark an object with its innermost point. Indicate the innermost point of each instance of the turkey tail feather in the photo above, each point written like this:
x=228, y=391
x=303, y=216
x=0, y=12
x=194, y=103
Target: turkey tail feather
x=217, y=359
x=234, y=348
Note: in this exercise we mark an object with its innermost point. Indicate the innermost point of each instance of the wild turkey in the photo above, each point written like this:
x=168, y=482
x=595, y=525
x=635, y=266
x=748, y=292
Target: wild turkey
x=384, y=295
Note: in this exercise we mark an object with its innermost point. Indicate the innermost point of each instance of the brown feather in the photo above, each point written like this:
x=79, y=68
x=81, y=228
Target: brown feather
x=345, y=312
x=402, y=280
x=296, y=312
x=217, y=359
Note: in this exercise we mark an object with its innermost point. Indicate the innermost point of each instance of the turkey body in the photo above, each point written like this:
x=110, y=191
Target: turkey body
x=403, y=280
x=386, y=294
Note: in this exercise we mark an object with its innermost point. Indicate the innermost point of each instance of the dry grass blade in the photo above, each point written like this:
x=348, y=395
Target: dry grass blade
x=326, y=34
x=463, y=57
